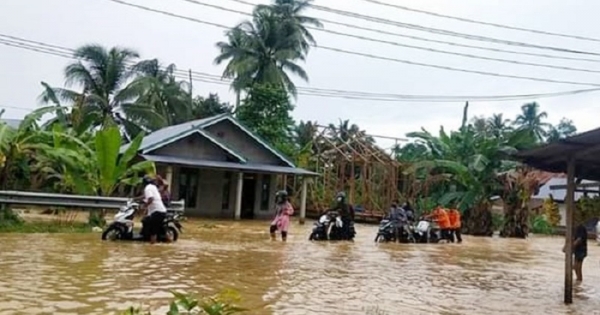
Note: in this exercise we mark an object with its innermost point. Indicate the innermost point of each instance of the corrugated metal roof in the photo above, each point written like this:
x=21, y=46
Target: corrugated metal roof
x=166, y=135
x=552, y=157
x=260, y=168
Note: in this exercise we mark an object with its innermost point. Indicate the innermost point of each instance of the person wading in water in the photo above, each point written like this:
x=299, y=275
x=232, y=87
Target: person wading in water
x=283, y=211
x=579, y=250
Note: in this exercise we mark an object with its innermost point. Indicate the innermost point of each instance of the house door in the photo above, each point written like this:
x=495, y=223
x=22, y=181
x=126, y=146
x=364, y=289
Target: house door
x=248, y=196
x=188, y=186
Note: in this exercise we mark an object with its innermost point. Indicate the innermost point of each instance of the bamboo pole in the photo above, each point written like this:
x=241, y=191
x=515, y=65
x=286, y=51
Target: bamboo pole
x=570, y=198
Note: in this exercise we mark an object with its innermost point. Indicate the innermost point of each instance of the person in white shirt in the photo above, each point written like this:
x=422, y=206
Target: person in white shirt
x=155, y=209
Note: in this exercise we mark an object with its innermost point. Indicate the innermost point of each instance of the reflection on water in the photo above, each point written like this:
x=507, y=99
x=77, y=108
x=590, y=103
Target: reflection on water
x=79, y=274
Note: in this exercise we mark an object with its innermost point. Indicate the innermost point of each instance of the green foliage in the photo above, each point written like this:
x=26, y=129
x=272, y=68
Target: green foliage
x=185, y=304
x=265, y=49
x=266, y=110
x=539, y=225
x=587, y=209
x=210, y=106
x=497, y=221
x=8, y=218
x=551, y=212
x=96, y=218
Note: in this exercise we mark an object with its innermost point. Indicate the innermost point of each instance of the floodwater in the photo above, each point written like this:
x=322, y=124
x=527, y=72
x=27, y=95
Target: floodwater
x=79, y=274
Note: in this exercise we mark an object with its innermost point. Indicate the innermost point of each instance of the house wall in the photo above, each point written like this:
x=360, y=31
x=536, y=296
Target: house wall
x=209, y=199
x=241, y=142
x=195, y=146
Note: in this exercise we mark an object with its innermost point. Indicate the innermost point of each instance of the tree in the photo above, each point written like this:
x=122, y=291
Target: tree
x=158, y=88
x=564, y=129
x=264, y=50
x=293, y=22
x=533, y=120
x=497, y=125
x=266, y=110
x=210, y=106
x=104, y=75
x=462, y=168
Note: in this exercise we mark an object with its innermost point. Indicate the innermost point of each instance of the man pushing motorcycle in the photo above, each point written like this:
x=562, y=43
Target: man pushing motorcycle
x=156, y=211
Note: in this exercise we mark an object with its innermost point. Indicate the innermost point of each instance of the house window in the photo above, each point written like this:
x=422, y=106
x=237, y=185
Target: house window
x=188, y=186
x=226, y=189
x=265, y=192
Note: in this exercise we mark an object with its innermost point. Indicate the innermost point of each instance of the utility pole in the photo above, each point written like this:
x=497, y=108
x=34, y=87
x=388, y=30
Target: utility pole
x=191, y=90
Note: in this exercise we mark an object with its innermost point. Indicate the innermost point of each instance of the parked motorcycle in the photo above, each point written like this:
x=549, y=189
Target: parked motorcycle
x=426, y=232
x=122, y=227
x=386, y=232
x=330, y=226
x=323, y=226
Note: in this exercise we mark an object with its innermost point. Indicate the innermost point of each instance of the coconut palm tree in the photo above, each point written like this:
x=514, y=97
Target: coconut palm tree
x=106, y=97
x=293, y=22
x=532, y=119
x=159, y=88
x=498, y=125
x=265, y=49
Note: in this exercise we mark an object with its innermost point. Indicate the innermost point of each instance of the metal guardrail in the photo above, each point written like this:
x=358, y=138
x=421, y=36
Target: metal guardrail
x=9, y=197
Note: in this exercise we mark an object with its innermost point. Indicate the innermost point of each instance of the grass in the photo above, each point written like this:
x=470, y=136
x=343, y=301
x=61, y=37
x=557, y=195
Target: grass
x=11, y=222
x=44, y=227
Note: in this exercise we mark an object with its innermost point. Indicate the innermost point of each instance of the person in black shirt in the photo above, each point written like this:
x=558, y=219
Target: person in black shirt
x=579, y=250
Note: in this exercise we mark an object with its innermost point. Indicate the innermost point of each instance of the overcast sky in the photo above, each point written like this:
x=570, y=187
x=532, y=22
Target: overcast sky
x=72, y=23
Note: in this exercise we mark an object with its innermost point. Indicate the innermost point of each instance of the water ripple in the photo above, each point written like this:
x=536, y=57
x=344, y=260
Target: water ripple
x=79, y=274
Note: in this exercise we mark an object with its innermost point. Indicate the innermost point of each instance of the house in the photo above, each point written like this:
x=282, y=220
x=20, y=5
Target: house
x=220, y=168
x=557, y=188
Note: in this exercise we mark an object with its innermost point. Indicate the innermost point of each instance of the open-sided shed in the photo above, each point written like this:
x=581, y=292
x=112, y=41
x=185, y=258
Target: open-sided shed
x=578, y=157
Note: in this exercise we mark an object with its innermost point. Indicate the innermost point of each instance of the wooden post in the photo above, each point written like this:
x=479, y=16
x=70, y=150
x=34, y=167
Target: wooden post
x=570, y=199
x=303, y=200
x=238, y=196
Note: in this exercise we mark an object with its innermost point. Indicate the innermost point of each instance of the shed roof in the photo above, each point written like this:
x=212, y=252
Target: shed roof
x=552, y=157
x=261, y=168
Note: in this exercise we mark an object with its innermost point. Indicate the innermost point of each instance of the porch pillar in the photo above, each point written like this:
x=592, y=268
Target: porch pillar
x=238, y=196
x=570, y=199
x=303, y=200
x=169, y=176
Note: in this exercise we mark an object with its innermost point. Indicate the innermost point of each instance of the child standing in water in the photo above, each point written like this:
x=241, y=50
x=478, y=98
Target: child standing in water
x=283, y=211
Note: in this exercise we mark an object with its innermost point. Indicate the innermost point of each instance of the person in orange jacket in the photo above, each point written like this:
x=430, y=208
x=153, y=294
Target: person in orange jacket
x=441, y=217
x=455, y=225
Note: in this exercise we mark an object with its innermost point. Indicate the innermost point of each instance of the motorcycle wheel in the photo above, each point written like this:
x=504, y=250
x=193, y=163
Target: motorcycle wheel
x=312, y=236
x=380, y=238
x=112, y=233
x=174, y=233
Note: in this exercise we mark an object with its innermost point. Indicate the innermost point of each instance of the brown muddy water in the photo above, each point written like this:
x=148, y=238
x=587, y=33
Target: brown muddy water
x=79, y=274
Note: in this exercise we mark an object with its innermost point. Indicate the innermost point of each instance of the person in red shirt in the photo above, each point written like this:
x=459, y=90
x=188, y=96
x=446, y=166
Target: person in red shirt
x=455, y=225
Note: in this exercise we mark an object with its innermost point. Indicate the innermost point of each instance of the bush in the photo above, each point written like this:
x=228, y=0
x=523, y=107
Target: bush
x=9, y=218
x=96, y=218
x=220, y=304
x=540, y=225
x=497, y=221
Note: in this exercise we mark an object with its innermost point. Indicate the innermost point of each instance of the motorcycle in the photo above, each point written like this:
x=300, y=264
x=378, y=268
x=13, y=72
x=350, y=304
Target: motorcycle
x=330, y=226
x=426, y=232
x=322, y=228
x=122, y=226
x=386, y=232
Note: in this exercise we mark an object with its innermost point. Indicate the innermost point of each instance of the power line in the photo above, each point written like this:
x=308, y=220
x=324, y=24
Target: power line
x=215, y=79
x=482, y=22
x=455, y=44
x=410, y=46
x=370, y=55
x=447, y=32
